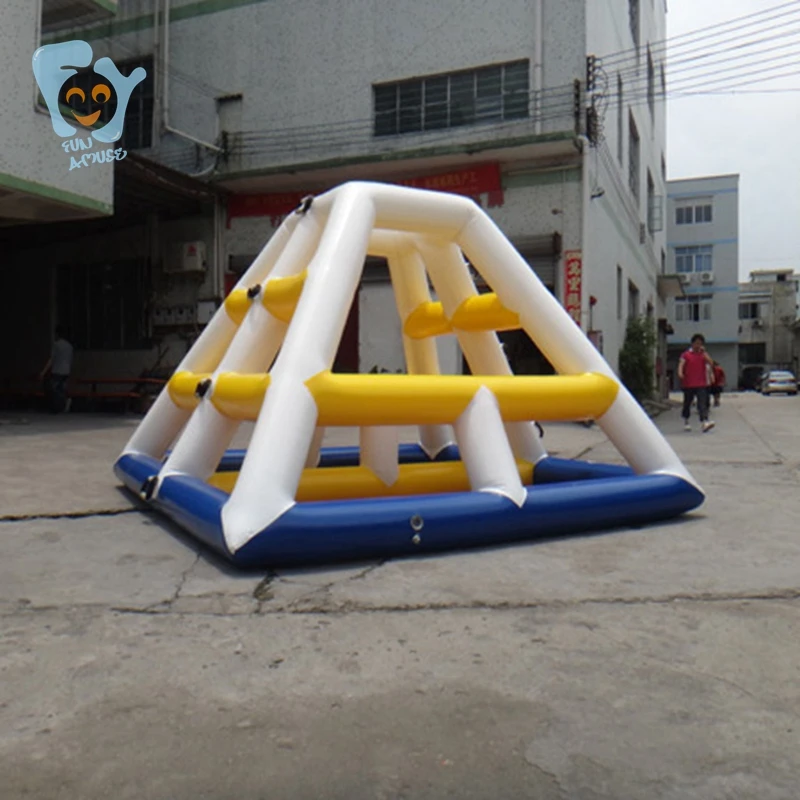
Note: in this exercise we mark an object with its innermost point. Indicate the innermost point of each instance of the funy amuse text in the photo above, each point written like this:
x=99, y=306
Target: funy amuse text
x=94, y=157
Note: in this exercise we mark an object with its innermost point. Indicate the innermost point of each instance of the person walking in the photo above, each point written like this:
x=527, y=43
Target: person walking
x=718, y=383
x=59, y=367
x=695, y=371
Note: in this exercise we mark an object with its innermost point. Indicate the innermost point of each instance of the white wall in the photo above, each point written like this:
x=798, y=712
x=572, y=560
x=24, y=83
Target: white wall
x=613, y=219
x=31, y=151
x=311, y=64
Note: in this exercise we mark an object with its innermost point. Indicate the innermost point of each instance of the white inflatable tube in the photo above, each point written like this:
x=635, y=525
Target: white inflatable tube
x=208, y=433
x=453, y=283
x=485, y=449
x=410, y=286
x=378, y=448
x=564, y=344
x=164, y=420
x=283, y=434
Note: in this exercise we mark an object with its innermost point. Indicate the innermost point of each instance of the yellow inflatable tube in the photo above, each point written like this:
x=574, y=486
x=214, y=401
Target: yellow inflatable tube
x=482, y=312
x=350, y=483
x=364, y=400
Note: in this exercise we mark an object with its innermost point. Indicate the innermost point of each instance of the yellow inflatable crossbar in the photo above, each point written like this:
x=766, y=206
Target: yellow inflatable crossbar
x=483, y=312
x=350, y=483
x=364, y=400
x=183, y=388
x=237, y=304
x=279, y=297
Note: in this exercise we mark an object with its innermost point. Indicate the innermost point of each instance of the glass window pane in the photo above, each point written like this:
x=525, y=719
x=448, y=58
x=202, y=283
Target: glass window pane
x=436, y=103
x=488, y=82
x=385, y=98
x=515, y=77
x=435, y=90
x=386, y=123
x=462, y=99
x=410, y=119
x=410, y=94
x=515, y=106
x=436, y=117
x=410, y=100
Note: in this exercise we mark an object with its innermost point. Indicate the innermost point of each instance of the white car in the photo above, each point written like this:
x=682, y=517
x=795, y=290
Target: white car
x=779, y=382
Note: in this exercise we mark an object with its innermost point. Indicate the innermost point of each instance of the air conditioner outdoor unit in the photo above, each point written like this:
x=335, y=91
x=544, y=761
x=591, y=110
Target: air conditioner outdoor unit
x=707, y=277
x=684, y=278
x=758, y=323
x=187, y=257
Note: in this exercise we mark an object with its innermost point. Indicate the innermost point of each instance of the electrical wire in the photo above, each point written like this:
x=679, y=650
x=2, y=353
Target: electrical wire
x=675, y=43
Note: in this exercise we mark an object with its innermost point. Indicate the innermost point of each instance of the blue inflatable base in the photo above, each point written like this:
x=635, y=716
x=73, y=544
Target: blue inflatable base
x=568, y=497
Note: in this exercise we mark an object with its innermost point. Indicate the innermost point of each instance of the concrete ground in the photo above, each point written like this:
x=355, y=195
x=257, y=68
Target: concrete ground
x=658, y=663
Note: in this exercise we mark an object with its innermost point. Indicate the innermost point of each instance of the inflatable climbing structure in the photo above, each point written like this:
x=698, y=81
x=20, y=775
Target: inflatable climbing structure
x=479, y=474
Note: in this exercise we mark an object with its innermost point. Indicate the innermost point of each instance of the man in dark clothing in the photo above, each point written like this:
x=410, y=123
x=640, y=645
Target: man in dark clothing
x=59, y=367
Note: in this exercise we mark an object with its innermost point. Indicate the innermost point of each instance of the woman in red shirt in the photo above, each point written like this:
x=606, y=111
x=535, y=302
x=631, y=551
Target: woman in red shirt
x=695, y=370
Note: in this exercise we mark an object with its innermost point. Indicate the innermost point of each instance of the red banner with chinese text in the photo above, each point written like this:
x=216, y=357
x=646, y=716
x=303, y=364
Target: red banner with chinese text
x=471, y=181
x=573, y=283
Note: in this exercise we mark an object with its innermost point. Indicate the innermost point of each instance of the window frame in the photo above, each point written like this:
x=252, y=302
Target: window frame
x=688, y=212
x=699, y=307
x=485, y=95
x=702, y=254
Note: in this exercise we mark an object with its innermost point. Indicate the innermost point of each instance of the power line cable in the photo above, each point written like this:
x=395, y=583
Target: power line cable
x=722, y=28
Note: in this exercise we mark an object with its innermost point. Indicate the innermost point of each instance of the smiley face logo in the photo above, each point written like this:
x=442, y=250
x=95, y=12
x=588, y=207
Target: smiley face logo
x=88, y=99
x=74, y=93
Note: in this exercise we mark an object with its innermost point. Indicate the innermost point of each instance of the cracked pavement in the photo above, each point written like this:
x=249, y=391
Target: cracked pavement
x=658, y=662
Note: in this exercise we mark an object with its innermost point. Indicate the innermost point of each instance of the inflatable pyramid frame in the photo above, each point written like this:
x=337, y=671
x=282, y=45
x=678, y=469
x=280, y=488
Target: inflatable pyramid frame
x=479, y=474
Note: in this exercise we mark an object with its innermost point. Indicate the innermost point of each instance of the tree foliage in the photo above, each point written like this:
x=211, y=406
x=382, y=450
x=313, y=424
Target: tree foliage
x=637, y=357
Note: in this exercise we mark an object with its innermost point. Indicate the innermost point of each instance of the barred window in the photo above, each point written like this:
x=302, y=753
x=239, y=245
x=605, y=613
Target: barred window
x=483, y=95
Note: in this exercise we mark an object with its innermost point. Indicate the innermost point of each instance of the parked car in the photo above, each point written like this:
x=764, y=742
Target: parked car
x=779, y=381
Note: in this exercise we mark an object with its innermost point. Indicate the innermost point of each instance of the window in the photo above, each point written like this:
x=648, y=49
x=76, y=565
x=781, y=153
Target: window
x=633, y=157
x=619, y=292
x=484, y=95
x=663, y=262
x=104, y=306
x=693, y=214
x=663, y=168
x=655, y=215
x=633, y=20
x=695, y=308
x=693, y=259
x=749, y=311
x=137, y=132
x=620, y=120
x=651, y=85
x=633, y=300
